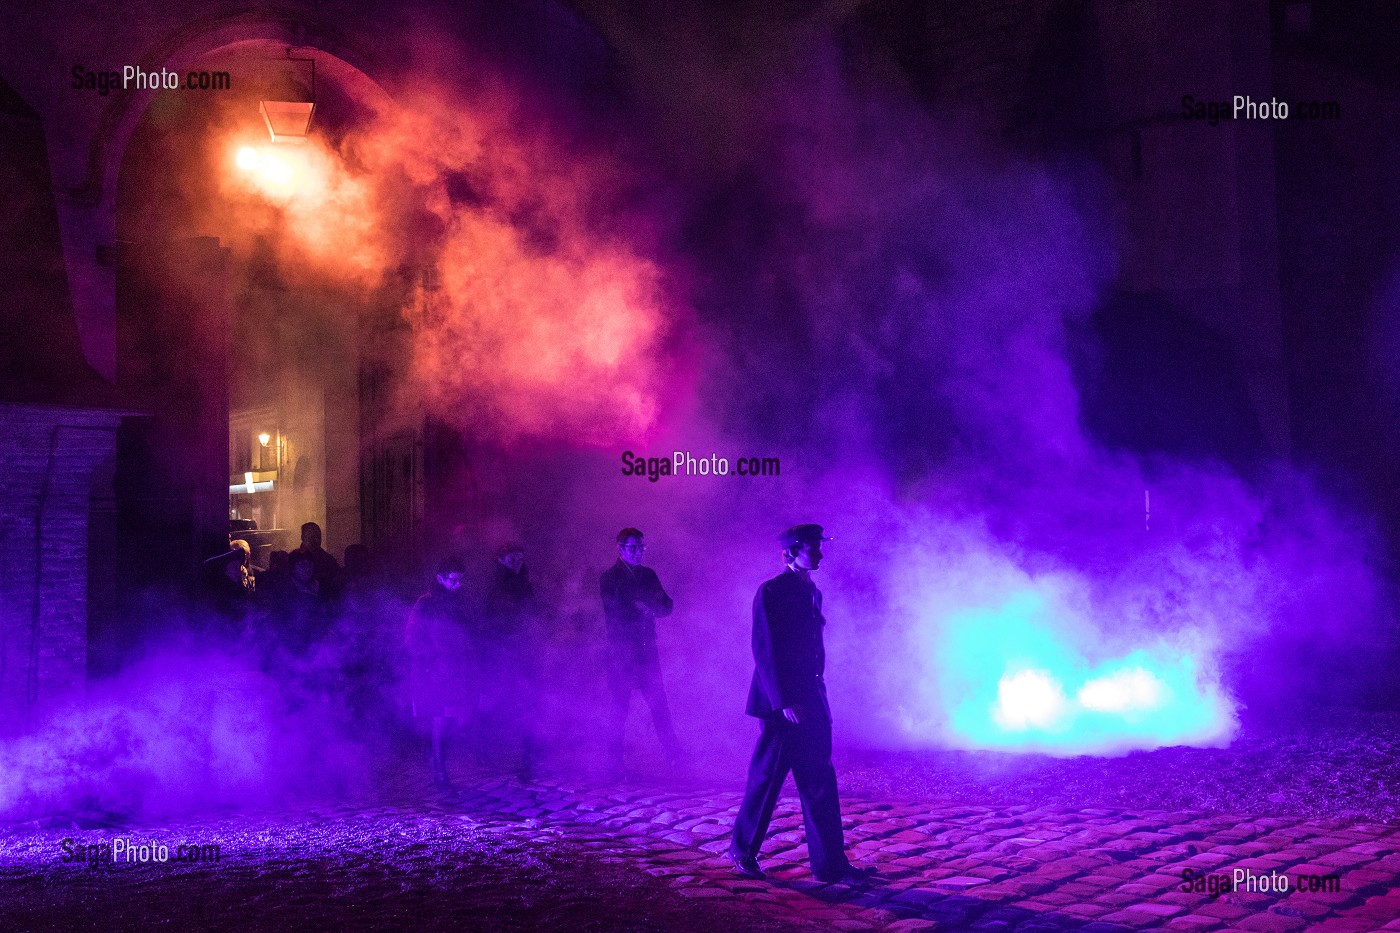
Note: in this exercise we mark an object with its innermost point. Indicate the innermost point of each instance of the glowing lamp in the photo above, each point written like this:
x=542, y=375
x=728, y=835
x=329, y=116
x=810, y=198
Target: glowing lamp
x=267, y=167
x=287, y=121
x=264, y=438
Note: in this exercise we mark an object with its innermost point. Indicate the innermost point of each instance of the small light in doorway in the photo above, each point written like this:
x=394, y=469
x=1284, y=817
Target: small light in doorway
x=264, y=438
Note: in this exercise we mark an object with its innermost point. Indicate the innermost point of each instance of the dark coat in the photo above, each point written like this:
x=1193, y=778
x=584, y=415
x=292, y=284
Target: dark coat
x=328, y=572
x=510, y=604
x=508, y=640
x=789, y=657
x=438, y=646
x=632, y=628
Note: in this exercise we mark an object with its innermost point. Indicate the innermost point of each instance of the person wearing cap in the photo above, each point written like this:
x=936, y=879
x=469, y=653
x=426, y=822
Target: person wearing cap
x=633, y=600
x=788, y=696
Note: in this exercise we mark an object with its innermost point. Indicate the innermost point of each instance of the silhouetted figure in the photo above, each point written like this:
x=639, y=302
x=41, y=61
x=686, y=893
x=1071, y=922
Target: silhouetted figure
x=276, y=578
x=302, y=611
x=788, y=696
x=437, y=643
x=327, y=571
x=508, y=651
x=369, y=639
x=632, y=601
x=230, y=586
x=358, y=575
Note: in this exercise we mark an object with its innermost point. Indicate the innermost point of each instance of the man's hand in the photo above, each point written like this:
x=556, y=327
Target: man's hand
x=642, y=606
x=792, y=715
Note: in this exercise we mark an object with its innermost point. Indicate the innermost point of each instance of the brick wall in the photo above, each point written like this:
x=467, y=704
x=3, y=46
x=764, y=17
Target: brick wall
x=48, y=457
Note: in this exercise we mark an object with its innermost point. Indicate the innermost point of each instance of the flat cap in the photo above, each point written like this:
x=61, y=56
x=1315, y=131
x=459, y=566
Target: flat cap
x=802, y=534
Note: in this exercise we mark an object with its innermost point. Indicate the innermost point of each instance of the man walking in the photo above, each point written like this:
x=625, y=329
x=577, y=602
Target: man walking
x=789, y=698
x=632, y=602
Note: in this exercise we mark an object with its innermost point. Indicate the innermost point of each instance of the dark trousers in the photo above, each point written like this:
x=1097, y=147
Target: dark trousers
x=644, y=674
x=805, y=750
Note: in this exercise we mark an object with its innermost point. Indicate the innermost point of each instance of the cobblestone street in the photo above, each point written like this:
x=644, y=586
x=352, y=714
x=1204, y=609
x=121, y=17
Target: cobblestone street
x=550, y=854
x=998, y=868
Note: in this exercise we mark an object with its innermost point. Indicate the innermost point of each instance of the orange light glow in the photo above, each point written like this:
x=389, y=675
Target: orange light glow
x=326, y=210
x=270, y=170
x=544, y=316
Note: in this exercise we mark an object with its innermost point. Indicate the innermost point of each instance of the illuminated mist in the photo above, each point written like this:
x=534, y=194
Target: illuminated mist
x=889, y=311
x=537, y=313
x=885, y=310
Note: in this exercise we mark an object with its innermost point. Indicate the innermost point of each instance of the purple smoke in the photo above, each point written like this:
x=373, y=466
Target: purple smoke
x=892, y=311
x=182, y=730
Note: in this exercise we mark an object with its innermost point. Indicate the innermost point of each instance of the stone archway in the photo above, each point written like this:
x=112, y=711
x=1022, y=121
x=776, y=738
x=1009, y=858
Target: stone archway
x=213, y=335
x=186, y=294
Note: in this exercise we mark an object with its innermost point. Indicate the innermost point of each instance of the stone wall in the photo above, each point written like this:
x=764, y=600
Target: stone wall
x=48, y=459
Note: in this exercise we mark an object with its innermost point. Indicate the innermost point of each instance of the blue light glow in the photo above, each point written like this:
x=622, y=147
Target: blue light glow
x=1013, y=679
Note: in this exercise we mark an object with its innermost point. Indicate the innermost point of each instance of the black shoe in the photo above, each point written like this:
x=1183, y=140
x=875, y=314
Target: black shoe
x=746, y=865
x=851, y=874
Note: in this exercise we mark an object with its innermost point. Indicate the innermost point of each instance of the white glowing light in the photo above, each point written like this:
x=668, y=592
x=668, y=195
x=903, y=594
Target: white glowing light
x=1122, y=692
x=264, y=438
x=274, y=169
x=271, y=171
x=1028, y=699
x=252, y=484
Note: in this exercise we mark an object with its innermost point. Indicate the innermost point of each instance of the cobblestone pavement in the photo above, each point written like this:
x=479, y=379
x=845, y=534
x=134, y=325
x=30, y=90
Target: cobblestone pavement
x=584, y=855
x=1315, y=764
x=421, y=864
x=1003, y=868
